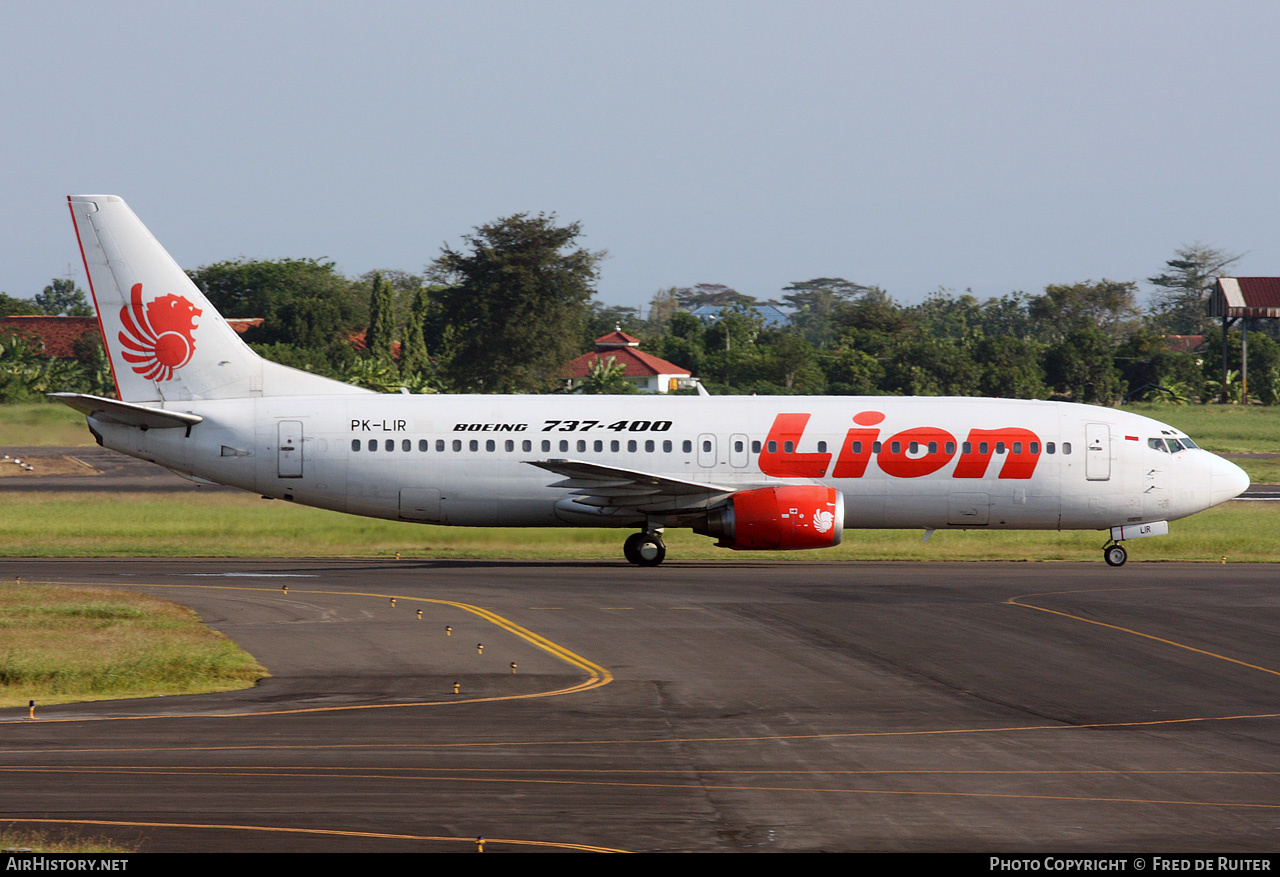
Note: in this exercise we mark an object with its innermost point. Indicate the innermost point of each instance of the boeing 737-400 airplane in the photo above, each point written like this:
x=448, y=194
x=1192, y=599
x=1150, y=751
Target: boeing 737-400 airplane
x=761, y=473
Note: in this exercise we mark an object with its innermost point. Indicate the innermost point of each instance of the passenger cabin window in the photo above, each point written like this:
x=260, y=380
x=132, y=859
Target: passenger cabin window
x=687, y=446
x=406, y=445
x=1066, y=447
x=355, y=444
x=457, y=445
x=1049, y=447
x=373, y=444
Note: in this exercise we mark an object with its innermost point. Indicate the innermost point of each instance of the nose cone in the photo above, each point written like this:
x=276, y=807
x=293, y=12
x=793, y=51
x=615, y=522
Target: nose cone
x=1226, y=480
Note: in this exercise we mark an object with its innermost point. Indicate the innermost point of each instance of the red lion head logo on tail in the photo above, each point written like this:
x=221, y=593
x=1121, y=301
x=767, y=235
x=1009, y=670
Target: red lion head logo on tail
x=160, y=338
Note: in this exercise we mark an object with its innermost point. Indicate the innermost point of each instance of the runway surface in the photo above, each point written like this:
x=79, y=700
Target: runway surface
x=720, y=706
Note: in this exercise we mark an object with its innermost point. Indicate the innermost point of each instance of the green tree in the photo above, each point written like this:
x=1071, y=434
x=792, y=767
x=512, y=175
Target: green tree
x=382, y=319
x=662, y=307
x=304, y=303
x=517, y=299
x=1108, y=305
x=11, y=307
x=921, y=365
x=1147, y=364
x=63, y=298
x=1177, y=306
x=717, y=295
x=605, y=376
x=1080, y=367
x=1010, y=368
x=414, y=358
x=815, y=303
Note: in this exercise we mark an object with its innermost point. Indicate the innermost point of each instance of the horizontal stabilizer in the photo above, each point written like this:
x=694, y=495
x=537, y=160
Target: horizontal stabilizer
x=127, y=413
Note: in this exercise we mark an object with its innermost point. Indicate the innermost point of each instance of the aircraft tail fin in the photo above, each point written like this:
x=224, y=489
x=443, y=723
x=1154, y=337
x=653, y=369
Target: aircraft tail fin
x=164, y=340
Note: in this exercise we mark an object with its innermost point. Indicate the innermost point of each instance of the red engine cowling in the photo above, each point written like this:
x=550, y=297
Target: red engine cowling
x=778, y=519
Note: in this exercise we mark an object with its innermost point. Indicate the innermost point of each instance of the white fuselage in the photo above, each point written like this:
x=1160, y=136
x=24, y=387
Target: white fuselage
x=465, y=460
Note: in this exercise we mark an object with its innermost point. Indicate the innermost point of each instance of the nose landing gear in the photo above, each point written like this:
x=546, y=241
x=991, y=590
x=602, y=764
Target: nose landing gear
x=644, y=549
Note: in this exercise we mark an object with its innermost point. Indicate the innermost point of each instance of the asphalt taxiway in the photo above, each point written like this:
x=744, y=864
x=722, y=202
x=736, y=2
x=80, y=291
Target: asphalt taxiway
x=719, y=706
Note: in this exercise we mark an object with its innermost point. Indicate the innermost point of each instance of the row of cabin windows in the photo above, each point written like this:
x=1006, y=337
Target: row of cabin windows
x=950, y=447
x=424, y=445
x=650, y=446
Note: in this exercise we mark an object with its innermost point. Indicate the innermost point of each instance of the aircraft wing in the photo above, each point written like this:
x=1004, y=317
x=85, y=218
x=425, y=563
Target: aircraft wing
x=610, y=487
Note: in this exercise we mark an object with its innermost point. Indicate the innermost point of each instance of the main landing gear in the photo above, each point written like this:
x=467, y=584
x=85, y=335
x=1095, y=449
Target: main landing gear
x=644, y=549
x=1114, y=554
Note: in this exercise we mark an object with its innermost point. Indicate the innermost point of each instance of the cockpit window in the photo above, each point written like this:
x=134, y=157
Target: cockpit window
x=1188, y=443
x=1158, y=444
x=1175, y=445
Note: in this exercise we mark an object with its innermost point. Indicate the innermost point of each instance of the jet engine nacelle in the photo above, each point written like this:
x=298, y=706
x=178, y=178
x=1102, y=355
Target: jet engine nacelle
x=778, y=519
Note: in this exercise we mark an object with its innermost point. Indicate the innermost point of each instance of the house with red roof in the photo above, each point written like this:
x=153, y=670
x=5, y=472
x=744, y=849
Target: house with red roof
x=58, y=335
x=649, y=373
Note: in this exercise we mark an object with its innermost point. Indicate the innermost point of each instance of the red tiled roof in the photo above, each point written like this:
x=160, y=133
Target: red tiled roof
x=1184, y=343
x=360, y=343
x=60, y=334
x=244, y=324
x=636, y=363
x=616, y=339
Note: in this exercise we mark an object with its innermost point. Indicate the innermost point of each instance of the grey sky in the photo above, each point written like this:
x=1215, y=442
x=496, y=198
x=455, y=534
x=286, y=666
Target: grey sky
x=997, y=146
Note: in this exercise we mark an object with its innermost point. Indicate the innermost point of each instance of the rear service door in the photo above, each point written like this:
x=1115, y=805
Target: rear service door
x=289, y=449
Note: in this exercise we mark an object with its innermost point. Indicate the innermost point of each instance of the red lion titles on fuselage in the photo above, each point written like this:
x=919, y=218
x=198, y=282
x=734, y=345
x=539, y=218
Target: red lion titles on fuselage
x=160, y=338
x=911, y=453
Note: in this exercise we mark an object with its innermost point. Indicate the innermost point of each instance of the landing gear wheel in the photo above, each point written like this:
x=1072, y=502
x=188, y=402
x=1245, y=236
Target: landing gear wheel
x=644, y=549
x=1115, y=555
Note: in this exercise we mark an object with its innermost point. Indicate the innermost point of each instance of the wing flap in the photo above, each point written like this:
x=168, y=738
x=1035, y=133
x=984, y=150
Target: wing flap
x=610, y=487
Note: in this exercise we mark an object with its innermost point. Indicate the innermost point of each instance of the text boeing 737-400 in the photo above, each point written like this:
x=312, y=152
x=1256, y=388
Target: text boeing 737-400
x=763, y=473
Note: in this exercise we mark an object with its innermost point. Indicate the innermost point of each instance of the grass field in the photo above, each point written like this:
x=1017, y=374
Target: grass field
x=1222, y=428
x=63, y=841
x=62, y=644
x=240, y=525
x=42, y=423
